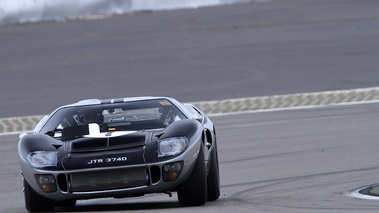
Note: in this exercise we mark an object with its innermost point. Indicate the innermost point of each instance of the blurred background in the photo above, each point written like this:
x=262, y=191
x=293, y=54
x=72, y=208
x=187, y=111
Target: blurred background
x=58, y=52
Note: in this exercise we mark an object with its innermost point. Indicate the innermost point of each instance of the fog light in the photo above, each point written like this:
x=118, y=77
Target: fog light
x=46, y=187
x=47, y=183
x=171, y=172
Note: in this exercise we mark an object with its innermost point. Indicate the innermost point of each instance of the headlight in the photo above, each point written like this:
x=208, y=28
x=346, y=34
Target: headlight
x=171, y=146
x=41, y=159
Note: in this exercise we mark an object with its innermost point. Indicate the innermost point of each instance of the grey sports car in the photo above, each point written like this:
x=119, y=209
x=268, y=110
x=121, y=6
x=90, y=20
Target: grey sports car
x=120, y=148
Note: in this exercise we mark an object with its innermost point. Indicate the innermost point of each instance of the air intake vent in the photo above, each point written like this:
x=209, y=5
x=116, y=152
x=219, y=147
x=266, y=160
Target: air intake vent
x=136, y=139
x=107, y=143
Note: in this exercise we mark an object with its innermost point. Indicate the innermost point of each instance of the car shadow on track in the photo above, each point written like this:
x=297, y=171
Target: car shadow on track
x=119, y=207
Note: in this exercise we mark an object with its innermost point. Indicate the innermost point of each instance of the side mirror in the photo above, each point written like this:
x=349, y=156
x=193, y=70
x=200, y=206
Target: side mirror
x=195, y=113
x=198, y=117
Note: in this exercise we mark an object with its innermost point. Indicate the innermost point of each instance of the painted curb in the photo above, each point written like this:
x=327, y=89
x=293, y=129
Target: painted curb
x=302, y=100
x=240, y=105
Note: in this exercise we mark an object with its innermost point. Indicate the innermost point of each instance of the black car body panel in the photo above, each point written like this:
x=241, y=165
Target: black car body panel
x=133, y=147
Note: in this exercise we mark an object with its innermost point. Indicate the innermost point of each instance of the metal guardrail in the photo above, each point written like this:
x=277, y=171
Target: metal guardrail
x=228, y=106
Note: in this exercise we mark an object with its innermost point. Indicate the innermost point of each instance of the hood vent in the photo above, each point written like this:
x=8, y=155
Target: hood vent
x=108, y=143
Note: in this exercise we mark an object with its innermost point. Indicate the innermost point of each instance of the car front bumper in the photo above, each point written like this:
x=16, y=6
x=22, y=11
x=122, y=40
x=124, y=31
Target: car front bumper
x=121, y=181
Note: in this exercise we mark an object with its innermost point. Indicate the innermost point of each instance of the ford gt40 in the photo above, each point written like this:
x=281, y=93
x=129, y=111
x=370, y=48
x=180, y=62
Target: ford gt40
x=120, y=148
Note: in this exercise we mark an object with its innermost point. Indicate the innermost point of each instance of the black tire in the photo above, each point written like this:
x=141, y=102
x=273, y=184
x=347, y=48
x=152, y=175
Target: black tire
x=36, y=203
x=213, y=180
x=193, y=192
x=66, y=203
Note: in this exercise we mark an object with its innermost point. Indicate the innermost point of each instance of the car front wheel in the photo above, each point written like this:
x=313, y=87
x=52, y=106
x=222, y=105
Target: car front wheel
x=193, y=192
x=35, y=202
x=213, y=177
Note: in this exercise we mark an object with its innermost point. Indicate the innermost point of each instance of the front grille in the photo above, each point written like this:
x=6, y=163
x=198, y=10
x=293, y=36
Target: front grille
x=108, y=179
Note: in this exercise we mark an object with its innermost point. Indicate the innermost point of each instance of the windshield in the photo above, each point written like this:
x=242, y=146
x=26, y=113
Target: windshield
x=130, y=116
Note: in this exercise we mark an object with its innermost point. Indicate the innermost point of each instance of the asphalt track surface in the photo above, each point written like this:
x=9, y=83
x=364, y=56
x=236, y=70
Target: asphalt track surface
x=214, y=53
x=302, y=161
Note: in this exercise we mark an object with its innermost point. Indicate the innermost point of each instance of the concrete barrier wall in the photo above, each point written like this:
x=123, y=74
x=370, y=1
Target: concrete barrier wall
x=24, y=11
